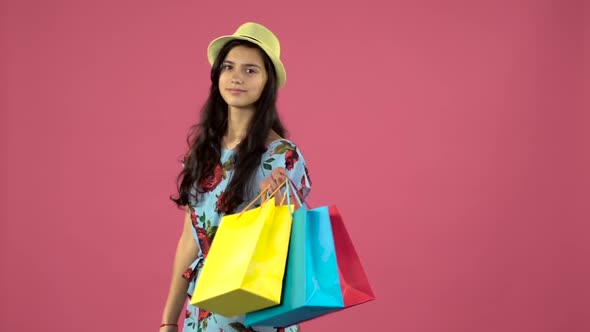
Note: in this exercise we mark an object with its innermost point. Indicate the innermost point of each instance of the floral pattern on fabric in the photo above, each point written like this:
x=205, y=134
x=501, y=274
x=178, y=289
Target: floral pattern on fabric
x=205, y=217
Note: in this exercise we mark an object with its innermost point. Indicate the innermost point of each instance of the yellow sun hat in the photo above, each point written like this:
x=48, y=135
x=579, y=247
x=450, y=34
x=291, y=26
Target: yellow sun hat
x=258, y=35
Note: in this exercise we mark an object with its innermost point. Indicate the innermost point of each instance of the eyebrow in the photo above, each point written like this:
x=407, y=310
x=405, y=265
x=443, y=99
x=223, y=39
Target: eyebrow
x=245, y=64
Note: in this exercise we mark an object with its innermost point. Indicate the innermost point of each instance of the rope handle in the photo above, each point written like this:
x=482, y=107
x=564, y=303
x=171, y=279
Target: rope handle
x=297, y=197
x=265, y=190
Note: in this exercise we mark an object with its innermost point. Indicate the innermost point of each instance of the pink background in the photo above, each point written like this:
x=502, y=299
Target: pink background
x=453, y=136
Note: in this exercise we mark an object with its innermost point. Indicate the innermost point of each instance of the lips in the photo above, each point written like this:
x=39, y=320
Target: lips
x=236, y=90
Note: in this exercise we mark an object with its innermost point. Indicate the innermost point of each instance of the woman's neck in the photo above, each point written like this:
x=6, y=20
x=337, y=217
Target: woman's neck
x=238, y=120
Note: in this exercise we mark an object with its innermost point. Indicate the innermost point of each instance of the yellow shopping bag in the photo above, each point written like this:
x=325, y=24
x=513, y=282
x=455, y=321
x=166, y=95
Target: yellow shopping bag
x=245, y=266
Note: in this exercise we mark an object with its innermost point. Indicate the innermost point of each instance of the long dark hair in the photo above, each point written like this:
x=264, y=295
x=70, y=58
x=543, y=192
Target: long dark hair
x=205, y=137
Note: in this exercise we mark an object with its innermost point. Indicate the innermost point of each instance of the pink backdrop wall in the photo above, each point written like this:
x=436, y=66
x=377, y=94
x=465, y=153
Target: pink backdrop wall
x=453, y=135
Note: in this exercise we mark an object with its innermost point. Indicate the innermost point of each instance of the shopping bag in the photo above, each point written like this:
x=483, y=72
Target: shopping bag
x=245, y=266
x=298, y=303
x=312, y=283
x=356, y=288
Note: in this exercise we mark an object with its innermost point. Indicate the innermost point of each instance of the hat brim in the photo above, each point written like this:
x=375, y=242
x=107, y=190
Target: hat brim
x=217, y=44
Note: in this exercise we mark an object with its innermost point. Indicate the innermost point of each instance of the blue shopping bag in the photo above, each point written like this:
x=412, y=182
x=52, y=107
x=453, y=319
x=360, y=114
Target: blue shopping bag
x=312, y=283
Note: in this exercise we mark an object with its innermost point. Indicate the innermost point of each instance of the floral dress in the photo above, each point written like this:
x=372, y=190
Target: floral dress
x=205, y=216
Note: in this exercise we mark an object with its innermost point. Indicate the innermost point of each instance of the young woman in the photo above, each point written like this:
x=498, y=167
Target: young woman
x=238, y=150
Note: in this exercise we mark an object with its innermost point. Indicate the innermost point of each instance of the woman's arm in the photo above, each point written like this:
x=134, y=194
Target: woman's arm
x=186, y=253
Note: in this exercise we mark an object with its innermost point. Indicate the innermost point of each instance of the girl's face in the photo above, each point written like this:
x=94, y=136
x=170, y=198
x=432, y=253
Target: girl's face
x=242, y=77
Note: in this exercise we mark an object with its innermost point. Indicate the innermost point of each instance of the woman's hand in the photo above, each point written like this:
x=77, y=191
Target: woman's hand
x=274, y=180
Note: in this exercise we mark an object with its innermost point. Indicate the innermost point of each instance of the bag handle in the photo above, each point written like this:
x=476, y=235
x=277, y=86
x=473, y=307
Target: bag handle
x=265, y=190
x=297, y=197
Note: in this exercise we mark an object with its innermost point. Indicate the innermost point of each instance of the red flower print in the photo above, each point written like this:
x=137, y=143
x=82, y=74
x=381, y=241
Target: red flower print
x=220, y=202
x=209, y=182
x=193, y=217
x=291, y=157
x=204, y=240
x=280, y=329
x=188, y=274
x=203, y=314
x=187, y=314
x=307, y=174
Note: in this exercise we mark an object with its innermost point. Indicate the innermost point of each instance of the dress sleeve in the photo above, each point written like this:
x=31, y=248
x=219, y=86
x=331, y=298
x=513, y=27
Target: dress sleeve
x=286, y=154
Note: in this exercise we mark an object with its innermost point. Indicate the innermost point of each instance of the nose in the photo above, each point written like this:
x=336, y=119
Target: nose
x=237, y=79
